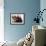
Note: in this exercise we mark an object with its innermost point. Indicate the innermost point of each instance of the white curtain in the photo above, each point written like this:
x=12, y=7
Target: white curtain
x=1, y=20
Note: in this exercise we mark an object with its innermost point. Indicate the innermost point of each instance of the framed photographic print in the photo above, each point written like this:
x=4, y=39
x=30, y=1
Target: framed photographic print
x=17, y=18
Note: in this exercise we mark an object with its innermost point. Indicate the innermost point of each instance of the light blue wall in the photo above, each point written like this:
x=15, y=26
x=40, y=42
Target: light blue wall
x=29, y=7
x=43, y=6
